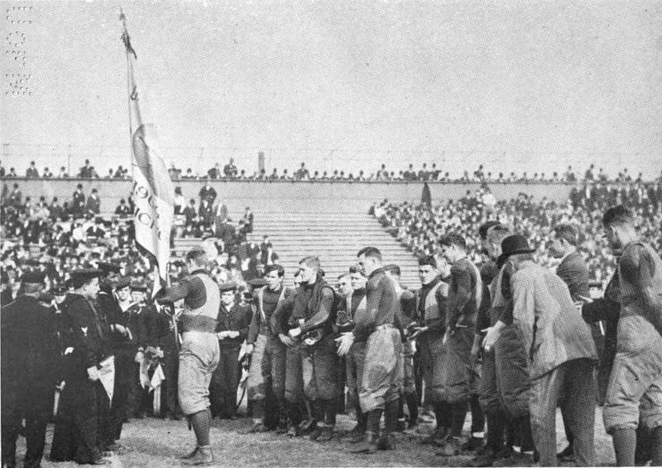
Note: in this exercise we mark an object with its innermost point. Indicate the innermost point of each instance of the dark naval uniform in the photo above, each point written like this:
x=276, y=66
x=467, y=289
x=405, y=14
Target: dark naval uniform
x=29, y=374
x=225, y=379
x=76, y=428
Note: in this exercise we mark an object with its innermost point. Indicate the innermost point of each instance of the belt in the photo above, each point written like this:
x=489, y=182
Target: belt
x=198, y=323
x=386, y=326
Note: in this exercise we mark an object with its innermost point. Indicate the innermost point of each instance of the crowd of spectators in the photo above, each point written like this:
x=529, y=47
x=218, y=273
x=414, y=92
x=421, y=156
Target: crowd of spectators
x=419, y=226
x=427, y=174
x=59, y=237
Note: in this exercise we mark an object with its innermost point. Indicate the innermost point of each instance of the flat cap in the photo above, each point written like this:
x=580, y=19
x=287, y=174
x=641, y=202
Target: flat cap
x=257, y=282
x=59, y=291
x=108, y=268
x=86, y=274
x=123, y=283
x=33, y=277
x=231, y=286
x=138, y=286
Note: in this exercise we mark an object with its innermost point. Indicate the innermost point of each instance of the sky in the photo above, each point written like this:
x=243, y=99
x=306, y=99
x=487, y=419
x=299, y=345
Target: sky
x=516, y=85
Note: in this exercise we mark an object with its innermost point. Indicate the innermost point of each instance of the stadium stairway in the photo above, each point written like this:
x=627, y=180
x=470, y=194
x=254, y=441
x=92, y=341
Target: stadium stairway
x=333, y=237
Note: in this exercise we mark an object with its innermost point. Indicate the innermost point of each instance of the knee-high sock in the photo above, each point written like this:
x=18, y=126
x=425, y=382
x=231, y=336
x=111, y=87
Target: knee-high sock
x=495, y=429
x=374, y=417
x=459, y=414
x=412, y=406
x=330, y=409
x=444, y=414
x=258, y=409
x=391, y=417
x=477, y=415
x=656, y=446
x=201, y=422
x=523, y=427
x=625, y=443
x=510, y=431
x=295, y=413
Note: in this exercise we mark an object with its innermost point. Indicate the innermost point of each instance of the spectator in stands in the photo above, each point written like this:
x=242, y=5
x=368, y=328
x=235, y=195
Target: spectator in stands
x=409, y=174
x=207, y=193
x=93, y=205
x=32, y=172
x=174, y=172
x=424, y=174
x=78, y=204
x=206, y=213
x=220, y=215
x=2, y=170
x=274, y=175
x=179, y=201
x=63, y=173
x=122, y=209
x=190, y=213
x=569, y=175
x=285, y=176
x=47, y=174
x=302, y=173
x=56, y=210
x=382, y=174
x=15, y=197
x=230, y=170
x=87, y=171
x=12, y=173
x=189, y=174
x=214, y=172
x=120, y=173
x=434, y=172
x=248, y=220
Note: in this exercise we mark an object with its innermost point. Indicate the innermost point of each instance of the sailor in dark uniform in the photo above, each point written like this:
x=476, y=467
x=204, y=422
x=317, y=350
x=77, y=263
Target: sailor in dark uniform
x=29, y=371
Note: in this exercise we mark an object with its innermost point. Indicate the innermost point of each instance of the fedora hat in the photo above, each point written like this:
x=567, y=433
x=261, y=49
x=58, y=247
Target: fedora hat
x=515, y=244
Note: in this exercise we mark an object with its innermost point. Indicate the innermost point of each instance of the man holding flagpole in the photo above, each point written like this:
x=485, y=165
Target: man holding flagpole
x=200, y=352
x=153, y=215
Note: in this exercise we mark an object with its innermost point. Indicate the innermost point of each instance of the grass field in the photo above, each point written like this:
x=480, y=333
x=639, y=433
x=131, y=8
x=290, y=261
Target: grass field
x=156, y=443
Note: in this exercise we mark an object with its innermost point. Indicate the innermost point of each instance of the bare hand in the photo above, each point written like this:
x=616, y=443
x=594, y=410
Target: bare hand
x=286, y=340
x=93, y=373
x=250, y=348
x=345, y=340
x=295, y=332
x=491, y=337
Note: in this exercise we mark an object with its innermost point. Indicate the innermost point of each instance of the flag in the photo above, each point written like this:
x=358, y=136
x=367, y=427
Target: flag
x=107, y=376
x=152, y=189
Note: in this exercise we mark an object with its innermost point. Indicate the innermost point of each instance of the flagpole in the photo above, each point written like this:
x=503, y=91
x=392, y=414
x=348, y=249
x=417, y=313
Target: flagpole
x=125, y=33
x=152, y=187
